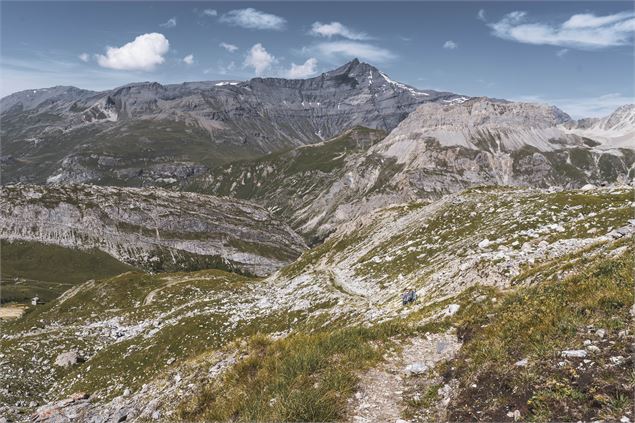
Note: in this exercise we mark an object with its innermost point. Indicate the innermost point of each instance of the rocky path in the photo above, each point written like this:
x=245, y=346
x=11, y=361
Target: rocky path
x=382, y=389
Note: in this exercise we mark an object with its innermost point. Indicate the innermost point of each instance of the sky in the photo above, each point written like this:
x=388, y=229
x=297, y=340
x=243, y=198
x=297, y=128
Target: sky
x=577, y=55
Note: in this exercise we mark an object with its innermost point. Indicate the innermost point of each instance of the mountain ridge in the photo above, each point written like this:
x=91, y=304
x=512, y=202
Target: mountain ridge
x=142, y=126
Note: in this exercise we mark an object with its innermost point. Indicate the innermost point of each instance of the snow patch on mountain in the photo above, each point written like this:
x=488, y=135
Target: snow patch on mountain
x=403, y=86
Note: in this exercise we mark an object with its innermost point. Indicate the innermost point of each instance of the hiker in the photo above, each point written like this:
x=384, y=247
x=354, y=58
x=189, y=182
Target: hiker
x=408, y=296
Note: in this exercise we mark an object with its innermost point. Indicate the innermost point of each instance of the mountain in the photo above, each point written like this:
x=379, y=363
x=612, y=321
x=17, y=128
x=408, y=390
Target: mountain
x=440, y=148
x=487, y=141
x=151, y=229
x=614, y=131
x=142, y=133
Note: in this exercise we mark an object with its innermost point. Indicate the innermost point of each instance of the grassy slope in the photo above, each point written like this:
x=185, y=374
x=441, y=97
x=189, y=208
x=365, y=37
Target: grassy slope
x=48, y=270
x=291, y=180
x=537, y=323
x=309, y=377
x=310, y=374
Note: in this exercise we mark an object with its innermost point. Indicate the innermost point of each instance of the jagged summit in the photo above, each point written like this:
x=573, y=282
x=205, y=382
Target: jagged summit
x=613, y=131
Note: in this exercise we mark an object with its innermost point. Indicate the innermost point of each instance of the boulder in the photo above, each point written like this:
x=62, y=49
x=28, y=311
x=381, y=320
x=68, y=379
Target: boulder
x=416, y=368
x=484, y=244
x=574, y=353
x=68, y=358
x=451, y=310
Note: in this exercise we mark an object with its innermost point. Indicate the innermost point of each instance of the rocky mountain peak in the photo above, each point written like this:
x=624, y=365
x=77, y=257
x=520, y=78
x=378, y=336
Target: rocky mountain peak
x=622, y=117
x=614, y=130
x=479, y=123
x=239, y=119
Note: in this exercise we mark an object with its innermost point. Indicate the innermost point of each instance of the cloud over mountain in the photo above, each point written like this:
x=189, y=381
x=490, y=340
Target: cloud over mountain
x=329, y=30
x=144, y=53
x=338, y=50
x=304, y=70
x=259, y=59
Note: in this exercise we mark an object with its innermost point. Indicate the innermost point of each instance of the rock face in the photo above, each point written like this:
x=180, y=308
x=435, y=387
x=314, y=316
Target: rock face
x=484, y=141
x=613, y=131
x=150, y=133
x=483, y=124
x=151, y=228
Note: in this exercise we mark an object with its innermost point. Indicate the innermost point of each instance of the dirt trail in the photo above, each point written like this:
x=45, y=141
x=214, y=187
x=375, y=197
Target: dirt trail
x=150, y=297
x=382, y=389
x=12, y=311
x=171, y=281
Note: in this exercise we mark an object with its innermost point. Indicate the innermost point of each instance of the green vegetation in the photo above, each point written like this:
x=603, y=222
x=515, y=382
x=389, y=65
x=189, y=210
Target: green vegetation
x=32, y=268
x=536, y=324
x=310, y=375
x=305, y=377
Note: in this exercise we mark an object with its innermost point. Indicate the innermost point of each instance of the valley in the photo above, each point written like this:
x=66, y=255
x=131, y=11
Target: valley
x=215, y=251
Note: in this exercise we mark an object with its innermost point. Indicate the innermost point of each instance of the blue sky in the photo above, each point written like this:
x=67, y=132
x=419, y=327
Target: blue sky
x=576, y=55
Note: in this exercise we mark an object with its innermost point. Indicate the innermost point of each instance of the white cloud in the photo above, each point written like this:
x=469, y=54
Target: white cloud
x=347, y=50
x=302, y=71
x=259, y=59
x=335, y=28
x=209, y=12
x=222, y=69
x=171, y=23
x=588, y=20
x=144, y=53
x=562, y=52
x=450, y=45
x=229, y=47
x=189, y=59
x=481, y=15
x=253, y=19
x=84, y=57
x=583, y=31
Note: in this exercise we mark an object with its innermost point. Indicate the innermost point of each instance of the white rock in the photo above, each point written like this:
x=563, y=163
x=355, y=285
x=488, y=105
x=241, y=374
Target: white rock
x=617, y=360
x=521, y=363
x=588, y=187
x=484, y=244
x=573, y=353
x=600, y=333
x=67, y=358
x=416, y=368
x=451, y=310
x=515, y=414
x=592, y=349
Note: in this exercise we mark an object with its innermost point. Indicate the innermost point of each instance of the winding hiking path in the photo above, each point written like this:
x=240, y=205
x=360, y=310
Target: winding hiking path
x=380, y=397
